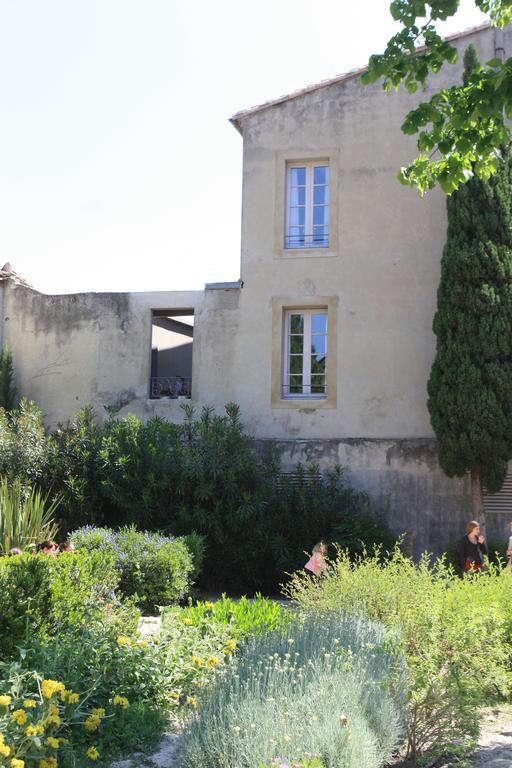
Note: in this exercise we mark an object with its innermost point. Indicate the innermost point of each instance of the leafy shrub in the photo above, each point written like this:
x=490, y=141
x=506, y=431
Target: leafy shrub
x=196, y=546
x=42, y=721
x=456, y=634
x=104, y=656
x=192, y=653
x=155, y=569
x=39, y=593
x=204, y=476
x=326, y=686
x=244, y=617
x=26, y=517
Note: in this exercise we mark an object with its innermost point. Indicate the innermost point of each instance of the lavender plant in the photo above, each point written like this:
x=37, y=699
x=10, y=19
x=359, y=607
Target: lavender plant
x=156, y=569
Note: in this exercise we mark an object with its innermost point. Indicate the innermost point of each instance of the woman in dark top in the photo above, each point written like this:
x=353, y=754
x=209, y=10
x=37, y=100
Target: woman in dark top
x=472, y=548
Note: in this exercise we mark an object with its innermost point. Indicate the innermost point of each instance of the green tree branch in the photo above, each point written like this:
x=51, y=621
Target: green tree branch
x=461, y=129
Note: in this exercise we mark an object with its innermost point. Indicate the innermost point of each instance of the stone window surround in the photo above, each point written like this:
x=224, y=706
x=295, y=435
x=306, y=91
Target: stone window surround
x=280, y=305
x=282, y=160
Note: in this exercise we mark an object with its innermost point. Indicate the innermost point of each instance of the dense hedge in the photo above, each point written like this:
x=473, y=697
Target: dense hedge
x=202, y=476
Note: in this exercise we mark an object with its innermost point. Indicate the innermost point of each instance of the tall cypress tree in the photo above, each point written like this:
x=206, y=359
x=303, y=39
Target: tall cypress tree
x=470, y=385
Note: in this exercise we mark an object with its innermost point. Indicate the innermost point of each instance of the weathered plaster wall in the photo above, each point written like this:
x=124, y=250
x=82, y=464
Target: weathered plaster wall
x=403, y=480
x=84, y=348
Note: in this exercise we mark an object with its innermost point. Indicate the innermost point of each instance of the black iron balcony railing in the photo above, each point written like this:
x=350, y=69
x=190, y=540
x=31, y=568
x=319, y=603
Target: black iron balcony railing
x=316, y=240
x=304, y=390
x=170, y=386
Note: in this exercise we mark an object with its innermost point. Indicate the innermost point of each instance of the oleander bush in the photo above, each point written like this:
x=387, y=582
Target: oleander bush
x=203, y=477
x=39, y=593
x=156, y=570
x=329, y=686
x=456, y=635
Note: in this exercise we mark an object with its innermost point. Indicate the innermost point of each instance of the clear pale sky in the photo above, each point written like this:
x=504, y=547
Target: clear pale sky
x=119, y=170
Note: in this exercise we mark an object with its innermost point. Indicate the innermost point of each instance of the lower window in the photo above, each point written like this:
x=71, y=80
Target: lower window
x=305, y=353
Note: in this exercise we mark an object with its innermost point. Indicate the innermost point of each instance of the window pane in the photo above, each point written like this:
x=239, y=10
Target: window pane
x=321, y=235
x=321, y=174
x=298, y=176
x=320, y=195
x=298, y=196
x=296, y=364
x=319, y=346
x=296, y=345
x=318, y=322
x=320, y=214
x=318, y=385
x=295, y=385
x=298, y=217
x=296, y=323
x=317, y=364
x=296, y=237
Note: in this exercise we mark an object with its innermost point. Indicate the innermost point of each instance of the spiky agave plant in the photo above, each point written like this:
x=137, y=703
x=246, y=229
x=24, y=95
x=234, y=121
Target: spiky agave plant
x=26, y=515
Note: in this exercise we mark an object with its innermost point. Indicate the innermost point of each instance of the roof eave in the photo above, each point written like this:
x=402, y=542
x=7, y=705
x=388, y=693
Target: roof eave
x=236, y=119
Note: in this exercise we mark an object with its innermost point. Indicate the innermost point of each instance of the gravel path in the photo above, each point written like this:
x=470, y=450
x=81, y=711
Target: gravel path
x=495, y=743
x=162, y=757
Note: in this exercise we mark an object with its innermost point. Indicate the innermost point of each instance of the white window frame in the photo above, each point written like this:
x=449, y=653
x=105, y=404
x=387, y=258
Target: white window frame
x=310, y=166
x=307, y=312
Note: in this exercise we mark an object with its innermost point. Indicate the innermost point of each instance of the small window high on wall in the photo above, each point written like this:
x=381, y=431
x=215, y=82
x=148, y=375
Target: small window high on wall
x=307, y=205
x=172, y=337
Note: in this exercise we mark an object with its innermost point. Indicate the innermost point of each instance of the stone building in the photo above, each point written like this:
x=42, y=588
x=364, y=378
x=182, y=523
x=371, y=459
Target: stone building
x=326, y=341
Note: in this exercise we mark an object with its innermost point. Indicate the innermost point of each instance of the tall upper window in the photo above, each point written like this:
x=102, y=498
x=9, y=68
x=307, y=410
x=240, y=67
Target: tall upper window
x=305, y=353
x=307, y=207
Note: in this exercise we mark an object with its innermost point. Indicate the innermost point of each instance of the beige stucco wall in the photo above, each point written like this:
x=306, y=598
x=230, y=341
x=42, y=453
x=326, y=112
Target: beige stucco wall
x=383, y=268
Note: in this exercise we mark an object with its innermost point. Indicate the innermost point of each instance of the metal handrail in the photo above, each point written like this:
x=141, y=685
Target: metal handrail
x=306, y=241
x=170, y=386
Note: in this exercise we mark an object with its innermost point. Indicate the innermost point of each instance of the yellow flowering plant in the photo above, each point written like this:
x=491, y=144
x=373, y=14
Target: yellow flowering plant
x=40, y=719
x=194, y=652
